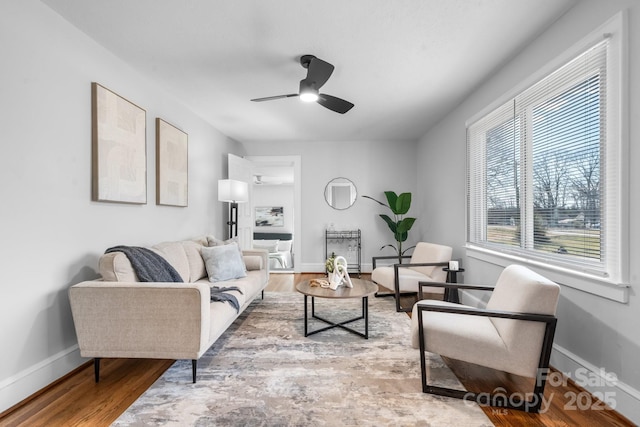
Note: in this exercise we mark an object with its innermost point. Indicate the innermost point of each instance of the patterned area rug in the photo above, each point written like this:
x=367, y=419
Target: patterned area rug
x=264, y=372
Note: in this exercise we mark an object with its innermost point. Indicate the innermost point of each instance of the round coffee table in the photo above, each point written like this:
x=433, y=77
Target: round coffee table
x=361, y=289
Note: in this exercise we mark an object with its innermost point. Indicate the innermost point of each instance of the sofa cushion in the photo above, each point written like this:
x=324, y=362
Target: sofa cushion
x=197, y=269
x=174, y=253
x=214, y=241
x=201, y=240
x=223, y=262
x=116, y=267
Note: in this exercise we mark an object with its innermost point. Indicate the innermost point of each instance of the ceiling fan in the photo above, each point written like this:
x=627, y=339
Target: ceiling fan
x=268, y=180
x=318, y=72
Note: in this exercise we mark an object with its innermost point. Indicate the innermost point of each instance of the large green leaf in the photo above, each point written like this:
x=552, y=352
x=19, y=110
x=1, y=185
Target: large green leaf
x=401, y=236
x=405, y=225
x=391, y=223
x=389, y=246
x=392, y=200
x=403, y=203
x=377, y=201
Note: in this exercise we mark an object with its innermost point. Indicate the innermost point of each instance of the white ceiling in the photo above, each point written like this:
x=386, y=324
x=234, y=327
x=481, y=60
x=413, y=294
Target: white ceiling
x=403, y=63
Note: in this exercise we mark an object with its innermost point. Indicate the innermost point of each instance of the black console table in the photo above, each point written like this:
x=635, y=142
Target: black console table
x=451, y=295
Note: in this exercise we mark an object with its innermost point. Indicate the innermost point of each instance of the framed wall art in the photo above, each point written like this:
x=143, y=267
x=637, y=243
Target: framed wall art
x=119, y=157
x=271, y=216
x=172, y=165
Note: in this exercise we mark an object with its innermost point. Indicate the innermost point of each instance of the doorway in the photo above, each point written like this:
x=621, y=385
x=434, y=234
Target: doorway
x=276, y=206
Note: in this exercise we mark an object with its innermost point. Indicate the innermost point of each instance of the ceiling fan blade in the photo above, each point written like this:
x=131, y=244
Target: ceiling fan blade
x=271, y=98
x=334, y=104
x=318, y=72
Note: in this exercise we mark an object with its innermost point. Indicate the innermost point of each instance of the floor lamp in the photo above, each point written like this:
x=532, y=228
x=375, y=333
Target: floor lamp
x=233, y=192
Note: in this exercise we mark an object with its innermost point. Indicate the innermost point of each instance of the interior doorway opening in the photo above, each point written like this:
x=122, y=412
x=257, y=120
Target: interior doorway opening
x=275, y=204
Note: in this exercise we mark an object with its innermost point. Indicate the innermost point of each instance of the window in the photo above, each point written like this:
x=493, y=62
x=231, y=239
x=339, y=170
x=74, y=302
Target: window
x=545, y=170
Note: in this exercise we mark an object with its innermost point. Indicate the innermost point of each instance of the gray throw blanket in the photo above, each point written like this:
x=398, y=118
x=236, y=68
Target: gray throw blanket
x=148, y=265
x=218, y=294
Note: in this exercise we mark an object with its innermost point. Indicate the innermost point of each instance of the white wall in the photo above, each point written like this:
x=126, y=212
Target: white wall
x=593, y=332
x=52, y=234
x=373, y=166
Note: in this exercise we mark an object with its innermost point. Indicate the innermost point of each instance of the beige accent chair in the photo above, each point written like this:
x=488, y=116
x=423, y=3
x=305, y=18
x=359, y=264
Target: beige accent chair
x=425, y=265
x=513, y=334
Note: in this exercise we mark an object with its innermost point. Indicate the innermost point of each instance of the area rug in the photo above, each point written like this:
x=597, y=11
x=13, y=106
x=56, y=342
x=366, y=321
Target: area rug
x=264, y=372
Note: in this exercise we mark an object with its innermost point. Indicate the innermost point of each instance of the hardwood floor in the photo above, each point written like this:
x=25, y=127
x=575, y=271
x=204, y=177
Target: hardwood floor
x=76, y=400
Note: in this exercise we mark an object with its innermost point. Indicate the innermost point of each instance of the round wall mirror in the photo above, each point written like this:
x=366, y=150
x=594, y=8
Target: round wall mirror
x=340, y=193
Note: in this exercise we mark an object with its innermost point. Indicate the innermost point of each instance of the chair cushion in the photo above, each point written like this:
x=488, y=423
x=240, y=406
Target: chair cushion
x=505, y=344
x=472, y=339
x=409, y=279
x=431, y=252
x=452, y=334
x=522, y=290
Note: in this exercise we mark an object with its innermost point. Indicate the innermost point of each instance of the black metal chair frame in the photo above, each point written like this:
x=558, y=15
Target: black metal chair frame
x=488, y=399
x=396, y=267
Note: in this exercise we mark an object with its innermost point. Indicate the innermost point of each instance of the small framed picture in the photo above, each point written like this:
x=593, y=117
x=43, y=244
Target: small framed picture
x=270, y=216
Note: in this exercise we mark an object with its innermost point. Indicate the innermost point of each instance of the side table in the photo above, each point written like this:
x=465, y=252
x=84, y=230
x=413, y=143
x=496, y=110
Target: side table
x=451, y=295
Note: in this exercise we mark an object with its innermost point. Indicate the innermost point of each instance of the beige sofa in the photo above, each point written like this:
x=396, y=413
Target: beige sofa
x=120, y=317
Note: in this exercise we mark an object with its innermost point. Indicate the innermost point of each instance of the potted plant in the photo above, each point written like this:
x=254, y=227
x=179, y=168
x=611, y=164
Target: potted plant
x=399, y=224
x=328, y=265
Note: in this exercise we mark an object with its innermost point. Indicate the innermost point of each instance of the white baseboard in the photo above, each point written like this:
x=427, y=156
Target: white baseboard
x=25, y=383
x=597, y=381
x=604, y=385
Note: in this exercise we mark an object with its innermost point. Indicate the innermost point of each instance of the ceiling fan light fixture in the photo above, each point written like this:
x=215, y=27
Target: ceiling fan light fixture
x=309, y=95
x=318, y=72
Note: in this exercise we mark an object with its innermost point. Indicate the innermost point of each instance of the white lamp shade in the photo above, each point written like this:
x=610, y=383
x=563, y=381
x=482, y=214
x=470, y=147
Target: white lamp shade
x=230, y=190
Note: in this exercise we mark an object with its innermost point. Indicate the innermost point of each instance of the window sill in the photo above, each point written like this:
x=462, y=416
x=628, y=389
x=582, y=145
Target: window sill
x=587, y=283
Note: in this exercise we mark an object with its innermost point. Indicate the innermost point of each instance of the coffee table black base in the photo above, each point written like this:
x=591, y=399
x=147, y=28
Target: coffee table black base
x=341, y=325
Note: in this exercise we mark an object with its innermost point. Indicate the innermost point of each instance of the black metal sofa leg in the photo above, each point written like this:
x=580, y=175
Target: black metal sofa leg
x=96, y=368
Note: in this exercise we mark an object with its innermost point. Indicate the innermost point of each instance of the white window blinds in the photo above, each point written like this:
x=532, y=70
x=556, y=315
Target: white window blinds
x=542, y=172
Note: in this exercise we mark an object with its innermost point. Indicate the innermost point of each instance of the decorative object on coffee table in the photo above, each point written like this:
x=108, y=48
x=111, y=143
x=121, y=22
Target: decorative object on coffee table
x=340, y=273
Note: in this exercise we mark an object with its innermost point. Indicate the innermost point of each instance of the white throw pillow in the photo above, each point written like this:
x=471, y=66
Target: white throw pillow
x=285, y=245
x=269, y=245
x=223, y=262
